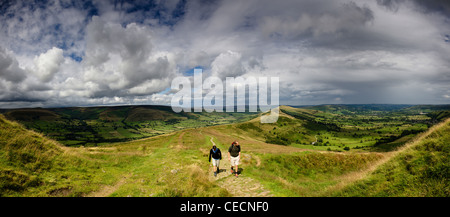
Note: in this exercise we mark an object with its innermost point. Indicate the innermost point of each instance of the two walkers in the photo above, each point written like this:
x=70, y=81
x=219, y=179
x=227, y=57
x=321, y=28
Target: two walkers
x=234, y=154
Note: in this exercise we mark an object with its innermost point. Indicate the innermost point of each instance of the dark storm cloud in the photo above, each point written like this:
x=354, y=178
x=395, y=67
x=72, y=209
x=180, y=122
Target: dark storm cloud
x=337, y=25
x=426, y=6
x=432, y=6
x=392, y=5
x=9, y=68
x=18, y=97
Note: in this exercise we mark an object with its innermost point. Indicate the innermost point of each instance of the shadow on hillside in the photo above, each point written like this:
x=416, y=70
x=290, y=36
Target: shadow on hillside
x=229, y=170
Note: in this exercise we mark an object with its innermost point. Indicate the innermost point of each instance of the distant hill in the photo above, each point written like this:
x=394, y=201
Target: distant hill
x=96, y=126
x=367, y=108
x=92, y=126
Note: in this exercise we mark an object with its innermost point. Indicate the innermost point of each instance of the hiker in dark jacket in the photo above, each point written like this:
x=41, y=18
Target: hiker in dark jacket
x=234, y=155
x=216, y=156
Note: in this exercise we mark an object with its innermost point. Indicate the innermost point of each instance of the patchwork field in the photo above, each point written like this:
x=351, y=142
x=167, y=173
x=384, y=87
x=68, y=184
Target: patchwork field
x=96, y=126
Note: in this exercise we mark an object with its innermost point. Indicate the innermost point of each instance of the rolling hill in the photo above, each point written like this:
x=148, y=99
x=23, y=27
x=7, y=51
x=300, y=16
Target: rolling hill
x=419, y=169
x=33, y=165
x=96, y=126
x=24, y=155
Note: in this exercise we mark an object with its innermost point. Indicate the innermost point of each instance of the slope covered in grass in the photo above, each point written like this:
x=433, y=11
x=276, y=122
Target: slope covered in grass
x=23, y=155
x=308, y=173
x=420, y=170
x=33, y=165
x=176, y=164
x=168, y=165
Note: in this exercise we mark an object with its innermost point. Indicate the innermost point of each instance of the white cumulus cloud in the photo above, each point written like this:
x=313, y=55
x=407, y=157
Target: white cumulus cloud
x=48, y=64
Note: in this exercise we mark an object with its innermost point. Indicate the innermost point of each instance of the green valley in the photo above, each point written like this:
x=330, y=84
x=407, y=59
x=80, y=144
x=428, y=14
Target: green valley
x=93, y=126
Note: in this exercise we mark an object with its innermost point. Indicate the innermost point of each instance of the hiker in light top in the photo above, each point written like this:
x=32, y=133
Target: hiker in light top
x=234, y=154
x=216, y=157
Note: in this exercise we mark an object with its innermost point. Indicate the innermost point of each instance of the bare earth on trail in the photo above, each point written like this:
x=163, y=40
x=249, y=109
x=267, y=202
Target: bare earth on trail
x=240, y=186
x=108, y=190
x=243, y=186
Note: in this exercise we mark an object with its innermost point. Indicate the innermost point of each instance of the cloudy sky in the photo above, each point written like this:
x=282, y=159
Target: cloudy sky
x=85, y=53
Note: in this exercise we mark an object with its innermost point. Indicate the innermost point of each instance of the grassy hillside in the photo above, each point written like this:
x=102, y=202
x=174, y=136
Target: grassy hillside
x=327, y=127
x=308, y=173
x=175, y=163
x=169, y=165
x=33, y=165
x=318, y=130
x=23, y=156
x=422, y=169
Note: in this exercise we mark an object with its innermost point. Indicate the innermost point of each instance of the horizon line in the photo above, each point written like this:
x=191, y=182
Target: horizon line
x=246, y=106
